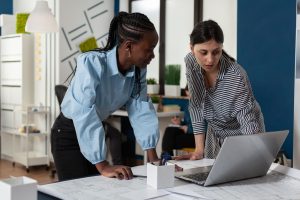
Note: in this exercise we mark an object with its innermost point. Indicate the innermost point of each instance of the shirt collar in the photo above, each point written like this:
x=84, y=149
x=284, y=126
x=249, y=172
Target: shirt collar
x=113, y=64
x=225, y=63
x=223, y=66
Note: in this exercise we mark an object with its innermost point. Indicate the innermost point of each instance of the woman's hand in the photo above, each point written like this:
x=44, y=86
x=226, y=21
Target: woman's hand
x=117, y=171
x=190, y=156
x=152, y=155
x=199, y=150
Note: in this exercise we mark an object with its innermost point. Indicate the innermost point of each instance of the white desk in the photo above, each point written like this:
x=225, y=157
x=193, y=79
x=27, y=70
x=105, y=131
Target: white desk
x=164, y=120
x=281, y=183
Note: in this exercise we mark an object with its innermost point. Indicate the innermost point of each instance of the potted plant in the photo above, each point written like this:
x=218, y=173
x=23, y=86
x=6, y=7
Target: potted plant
x=172, y=80
x=152, y=86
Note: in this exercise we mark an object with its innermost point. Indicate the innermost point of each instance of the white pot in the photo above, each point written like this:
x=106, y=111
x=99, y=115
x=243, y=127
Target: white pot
x=172, y=90
x=155, y=105
x=153, y=89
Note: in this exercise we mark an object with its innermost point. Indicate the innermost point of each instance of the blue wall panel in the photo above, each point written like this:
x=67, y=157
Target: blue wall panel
x=266, y=49
x=6, y=8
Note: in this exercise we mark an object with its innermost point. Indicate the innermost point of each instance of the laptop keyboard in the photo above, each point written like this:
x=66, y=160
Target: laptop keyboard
x=202, y=176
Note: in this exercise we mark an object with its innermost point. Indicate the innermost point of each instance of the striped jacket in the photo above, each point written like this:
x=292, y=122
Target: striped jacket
x=227, y=109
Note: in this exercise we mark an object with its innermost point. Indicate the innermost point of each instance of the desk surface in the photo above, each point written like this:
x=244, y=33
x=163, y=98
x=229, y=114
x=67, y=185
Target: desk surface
x=280, y=183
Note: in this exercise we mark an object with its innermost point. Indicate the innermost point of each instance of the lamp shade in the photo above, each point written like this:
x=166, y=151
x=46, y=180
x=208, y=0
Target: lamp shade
x=41, y=19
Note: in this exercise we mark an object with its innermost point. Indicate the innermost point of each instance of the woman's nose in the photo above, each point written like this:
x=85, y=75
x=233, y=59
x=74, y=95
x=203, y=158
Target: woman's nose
x=210, y=59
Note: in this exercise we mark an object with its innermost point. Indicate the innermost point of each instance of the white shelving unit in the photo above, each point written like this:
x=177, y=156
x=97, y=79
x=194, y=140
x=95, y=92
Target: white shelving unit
x=30, y=141
x=17, y=98
x=16, y=85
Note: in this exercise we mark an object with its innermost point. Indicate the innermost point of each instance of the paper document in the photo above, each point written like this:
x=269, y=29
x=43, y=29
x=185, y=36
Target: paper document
x=274, y=186
x=281, y=183
x=100, y=187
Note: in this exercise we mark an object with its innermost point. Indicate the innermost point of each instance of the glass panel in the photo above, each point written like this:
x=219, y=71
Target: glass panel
x=179, y=25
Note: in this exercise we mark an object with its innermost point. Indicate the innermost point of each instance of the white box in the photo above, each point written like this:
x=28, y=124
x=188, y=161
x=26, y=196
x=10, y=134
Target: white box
x=18, y=188
x=8, y=24
x=160, y=176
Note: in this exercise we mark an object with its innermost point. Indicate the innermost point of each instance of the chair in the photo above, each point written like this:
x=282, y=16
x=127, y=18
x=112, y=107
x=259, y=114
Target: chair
x=60, y=91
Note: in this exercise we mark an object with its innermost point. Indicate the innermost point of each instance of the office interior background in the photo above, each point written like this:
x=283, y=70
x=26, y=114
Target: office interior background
x=261, y=35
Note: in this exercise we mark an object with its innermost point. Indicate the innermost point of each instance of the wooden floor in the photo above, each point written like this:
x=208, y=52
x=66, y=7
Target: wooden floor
x=41, y=174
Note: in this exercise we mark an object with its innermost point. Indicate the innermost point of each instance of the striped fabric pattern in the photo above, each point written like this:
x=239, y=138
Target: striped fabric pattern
x=227, y=109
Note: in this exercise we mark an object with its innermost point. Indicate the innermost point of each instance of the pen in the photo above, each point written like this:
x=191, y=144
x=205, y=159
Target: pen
x=164, y=158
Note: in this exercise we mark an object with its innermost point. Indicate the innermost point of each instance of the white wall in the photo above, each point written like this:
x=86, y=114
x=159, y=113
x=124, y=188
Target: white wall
x=23, y=6
x=87, y=18
x=225, y=14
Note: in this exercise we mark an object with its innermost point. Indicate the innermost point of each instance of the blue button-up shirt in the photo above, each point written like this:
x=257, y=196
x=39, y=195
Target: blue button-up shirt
x=97, y=90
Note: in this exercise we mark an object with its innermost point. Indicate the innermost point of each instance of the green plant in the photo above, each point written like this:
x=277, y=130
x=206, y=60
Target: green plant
x=88, y=44
x=172, y=74
x=21, y=22
x=155, y=99
x=151, y=81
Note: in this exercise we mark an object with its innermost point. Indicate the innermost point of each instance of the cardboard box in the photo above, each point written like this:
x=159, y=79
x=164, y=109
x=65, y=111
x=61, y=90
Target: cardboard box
x=160, y=176
x=18, y=188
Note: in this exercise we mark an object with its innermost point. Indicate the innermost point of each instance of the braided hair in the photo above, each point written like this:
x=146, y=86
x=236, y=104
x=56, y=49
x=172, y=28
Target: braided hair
x=127, y=26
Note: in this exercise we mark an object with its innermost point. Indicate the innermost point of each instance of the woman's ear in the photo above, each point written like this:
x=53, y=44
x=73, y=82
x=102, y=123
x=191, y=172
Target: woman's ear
x=128, y=47
x=192, y=48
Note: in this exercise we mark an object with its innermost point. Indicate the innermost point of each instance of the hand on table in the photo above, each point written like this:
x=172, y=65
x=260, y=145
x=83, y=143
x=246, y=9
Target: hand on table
x=115, y=171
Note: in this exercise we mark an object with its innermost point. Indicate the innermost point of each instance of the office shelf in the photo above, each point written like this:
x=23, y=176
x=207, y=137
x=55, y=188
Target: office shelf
x=30, y=138
x=16, y=85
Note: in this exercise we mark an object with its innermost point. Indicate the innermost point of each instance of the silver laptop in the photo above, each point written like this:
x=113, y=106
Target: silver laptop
x=240, y=157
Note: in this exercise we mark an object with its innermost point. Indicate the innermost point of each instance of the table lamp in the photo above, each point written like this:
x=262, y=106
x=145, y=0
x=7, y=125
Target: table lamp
x=41, y=19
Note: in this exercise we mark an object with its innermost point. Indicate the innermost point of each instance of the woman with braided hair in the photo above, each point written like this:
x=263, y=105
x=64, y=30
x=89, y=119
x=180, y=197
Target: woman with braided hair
x=105, y=80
